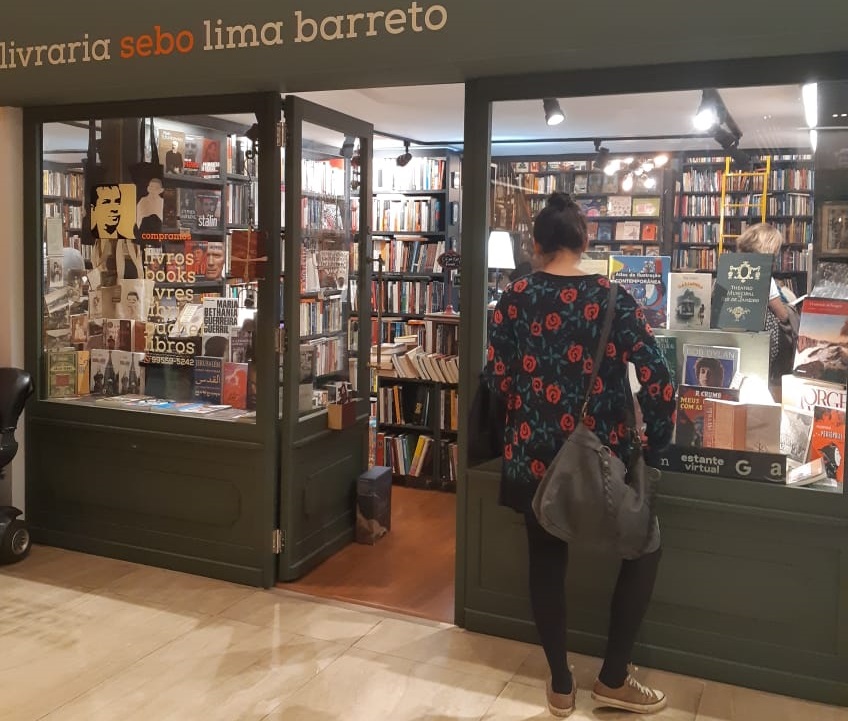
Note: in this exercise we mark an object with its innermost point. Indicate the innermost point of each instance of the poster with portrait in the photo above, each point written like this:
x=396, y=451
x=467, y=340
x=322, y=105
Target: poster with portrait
x=55, y=271
x=834, y=229
x=172, y=149
x=113, y=211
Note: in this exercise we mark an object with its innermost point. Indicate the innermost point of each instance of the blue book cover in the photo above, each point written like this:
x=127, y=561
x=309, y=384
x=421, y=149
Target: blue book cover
x=645, y=277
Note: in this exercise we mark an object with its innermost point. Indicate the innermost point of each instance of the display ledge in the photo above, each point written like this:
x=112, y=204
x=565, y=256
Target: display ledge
x=391, y=380
x=435, y=191
x=151, y=405
x=774, y=161
x=420, y=233
x=769, y=216
x=799, y=191
x=193, y=179
x=597, y=241
x=425, y=483
x=62, y=198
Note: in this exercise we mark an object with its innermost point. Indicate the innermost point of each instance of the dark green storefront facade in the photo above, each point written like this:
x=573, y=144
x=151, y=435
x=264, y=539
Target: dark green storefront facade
x=754, y=582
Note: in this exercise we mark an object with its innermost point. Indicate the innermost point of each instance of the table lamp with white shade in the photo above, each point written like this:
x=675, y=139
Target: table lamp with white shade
x=501, y=256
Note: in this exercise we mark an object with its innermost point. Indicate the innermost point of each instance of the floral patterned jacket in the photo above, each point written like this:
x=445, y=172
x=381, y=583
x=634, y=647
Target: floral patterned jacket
x=543, y=335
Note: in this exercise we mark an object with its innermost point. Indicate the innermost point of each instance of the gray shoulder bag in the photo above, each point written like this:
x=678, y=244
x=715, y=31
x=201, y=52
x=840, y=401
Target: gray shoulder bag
x=588, y=496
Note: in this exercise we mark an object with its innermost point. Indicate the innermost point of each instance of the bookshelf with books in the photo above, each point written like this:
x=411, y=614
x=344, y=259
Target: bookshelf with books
x=416, y=218
x=789, y=207
x=626, y=210
x=63, y=192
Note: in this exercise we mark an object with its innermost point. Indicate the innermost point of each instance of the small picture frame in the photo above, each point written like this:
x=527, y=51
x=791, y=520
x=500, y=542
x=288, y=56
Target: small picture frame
x=833, y=226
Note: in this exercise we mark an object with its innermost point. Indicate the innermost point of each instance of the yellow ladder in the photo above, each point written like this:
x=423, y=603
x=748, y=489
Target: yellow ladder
x=727, y=178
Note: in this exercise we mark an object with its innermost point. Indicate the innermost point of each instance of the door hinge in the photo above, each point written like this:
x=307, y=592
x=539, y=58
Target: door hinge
x=278, y=541
x=281, y=134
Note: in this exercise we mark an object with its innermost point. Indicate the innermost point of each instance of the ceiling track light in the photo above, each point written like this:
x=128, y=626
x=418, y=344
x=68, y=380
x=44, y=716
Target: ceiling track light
x=553, y=111
x=404, y=159
x=602, y=158
x=713, y=117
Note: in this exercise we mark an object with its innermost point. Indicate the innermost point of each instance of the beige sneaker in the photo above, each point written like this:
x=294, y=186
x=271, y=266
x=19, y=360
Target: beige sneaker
x=632, y=696
x=561, y=704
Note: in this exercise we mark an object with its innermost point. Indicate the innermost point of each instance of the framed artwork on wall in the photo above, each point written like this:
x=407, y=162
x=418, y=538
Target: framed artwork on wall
x=833, y=225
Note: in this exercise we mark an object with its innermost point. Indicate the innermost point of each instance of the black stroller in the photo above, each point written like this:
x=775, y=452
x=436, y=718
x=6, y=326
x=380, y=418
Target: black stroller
x=15, y=388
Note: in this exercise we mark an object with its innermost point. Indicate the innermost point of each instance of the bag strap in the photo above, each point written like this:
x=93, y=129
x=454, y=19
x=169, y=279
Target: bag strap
x=601, y=347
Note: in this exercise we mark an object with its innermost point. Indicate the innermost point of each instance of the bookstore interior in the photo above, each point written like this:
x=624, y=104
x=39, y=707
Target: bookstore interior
x=154, y=256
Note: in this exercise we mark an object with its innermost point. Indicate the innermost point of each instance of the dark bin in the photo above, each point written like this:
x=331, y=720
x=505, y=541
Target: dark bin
x=373, y=504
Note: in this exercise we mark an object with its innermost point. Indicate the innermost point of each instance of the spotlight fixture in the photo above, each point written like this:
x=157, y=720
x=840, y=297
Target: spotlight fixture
x=627, y=183
x=713, y=117
x=346, y=151
x=403, y=160
x=553, y=112
x=660, y=160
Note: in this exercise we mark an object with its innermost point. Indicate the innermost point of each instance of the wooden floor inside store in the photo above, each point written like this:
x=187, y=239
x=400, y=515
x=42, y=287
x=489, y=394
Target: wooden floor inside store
x=410, y=570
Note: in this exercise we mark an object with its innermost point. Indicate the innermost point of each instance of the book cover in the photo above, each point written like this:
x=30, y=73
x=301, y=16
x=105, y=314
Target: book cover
x=806, y=394
x=136, y=298
x=822, y=347
x=241, y=345
x=333, y=268
x=709, y=366
x=827, y=441
x=689, y=424
x=595, y=183
x=668, y=347
x=128, y=373
x=581, y=183
x=104, y=378
x=592, y=207
x=724, y=424
x=741, y=291
x=187, y=209
x=646, y=207
x=79, y=330
x=619, y=205
x=627, y=230
x=55, y=271
x=172, y=150
x=170, y=208
x=631, y=250
x=210, y=159
x=189, y=323
x=646, y=279
x=207, y=207
x=830, y=280
x=219, y=315
x=689, y=300
x=592, y=230
x=234, y=385
x=610, y=183
x=650, y=231
x=208, y=375
x=762, y=427
x=796, y=426
x=61, y=374
x=83, y=372
x=605, y=232
x=193, y=154
x=55, y=235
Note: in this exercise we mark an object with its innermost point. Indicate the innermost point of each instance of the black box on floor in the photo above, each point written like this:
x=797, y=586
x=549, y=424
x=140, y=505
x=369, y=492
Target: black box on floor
x=373, y=504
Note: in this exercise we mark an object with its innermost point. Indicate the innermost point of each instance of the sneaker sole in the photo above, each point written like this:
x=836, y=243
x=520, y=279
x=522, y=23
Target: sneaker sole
x=626, y=706
x=561, y=712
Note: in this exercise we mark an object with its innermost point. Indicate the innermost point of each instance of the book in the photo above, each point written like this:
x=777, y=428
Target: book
x=646, y=279
x=689, y=300
x=172, y=150
x=592, y=207
x=619, y=205
x=189, y=323
x=234, y=385
x=741, y=291
x=61, y=374
x=689, y=424
x=595, y=183
x=83, y=372
x=806, y=394
x=627, y=230
x=605, y=231
x=650, y=231
x=241, y=345
x=79, y=330
x=55, y=235
x=210, y=159
x=762, y=427
x=830, y=280
x=104, y=379
x=581, y=183
x=807, y=473
x=724, y=424
x=129, y=372
x=646, y=207
x=822, y=346
x=592, y=230
x=219, y=315
x=796, y=426
x=207, y=379
x=611, y=183
x=709, y=366
x=668, y=347
x=827, y=441
x=193, y=154
x=207, y=207
x=186, y=207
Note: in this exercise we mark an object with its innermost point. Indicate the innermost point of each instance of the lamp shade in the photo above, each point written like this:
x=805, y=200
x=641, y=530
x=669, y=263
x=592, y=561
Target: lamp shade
x=500, y=250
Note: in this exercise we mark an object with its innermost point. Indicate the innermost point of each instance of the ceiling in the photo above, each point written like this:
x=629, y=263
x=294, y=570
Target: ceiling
x=770, y=117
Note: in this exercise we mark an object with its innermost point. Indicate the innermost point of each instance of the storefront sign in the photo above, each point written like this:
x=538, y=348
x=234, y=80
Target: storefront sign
x=160, y=48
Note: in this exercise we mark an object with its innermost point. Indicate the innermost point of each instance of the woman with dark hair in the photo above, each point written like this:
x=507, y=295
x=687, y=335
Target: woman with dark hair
x=542, y=339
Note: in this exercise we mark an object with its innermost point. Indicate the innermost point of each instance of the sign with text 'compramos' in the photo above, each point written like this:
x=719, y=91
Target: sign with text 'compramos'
x=214, y=35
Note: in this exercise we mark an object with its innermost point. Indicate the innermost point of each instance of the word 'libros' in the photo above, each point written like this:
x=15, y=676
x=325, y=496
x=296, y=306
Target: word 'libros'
x=218, y=35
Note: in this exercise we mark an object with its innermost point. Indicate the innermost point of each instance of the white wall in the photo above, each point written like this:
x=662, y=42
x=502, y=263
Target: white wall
x=12, y=269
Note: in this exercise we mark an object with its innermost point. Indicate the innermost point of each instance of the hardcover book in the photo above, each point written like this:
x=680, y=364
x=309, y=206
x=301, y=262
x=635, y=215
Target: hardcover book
x=650, y=232
x=689, y=300
x=709, y=366
x=627, y=230
x=822, y=347
x=646, y=207
x=741, y=292
x=172, y=150
x=806, y=394
x=234, y=385
x=689, y=425
x=724, y=424
x=619, y=205
x=827, y=441
x=646, y=279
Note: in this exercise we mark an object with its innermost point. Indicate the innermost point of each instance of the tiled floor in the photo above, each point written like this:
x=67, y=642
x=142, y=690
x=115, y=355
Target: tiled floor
x=84, y=638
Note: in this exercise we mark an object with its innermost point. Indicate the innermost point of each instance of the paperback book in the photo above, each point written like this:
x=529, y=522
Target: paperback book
x=207, y=379
x=796, y=426
x=646, y=279
x=61, y=374
x=822, y=347
x=689, y=426
x=689, y=300
x=806, y=393
x=827, y=441
x=740, y=295
x=668, y=346
x=709, y=366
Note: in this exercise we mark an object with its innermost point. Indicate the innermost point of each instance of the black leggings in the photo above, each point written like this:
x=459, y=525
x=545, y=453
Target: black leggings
x=548, y=566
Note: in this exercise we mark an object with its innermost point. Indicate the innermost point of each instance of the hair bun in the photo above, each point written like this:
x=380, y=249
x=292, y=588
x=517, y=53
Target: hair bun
x=560, y=201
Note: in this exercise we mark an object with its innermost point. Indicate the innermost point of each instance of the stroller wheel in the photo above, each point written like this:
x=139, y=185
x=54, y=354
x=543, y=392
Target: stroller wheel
x=16, y=542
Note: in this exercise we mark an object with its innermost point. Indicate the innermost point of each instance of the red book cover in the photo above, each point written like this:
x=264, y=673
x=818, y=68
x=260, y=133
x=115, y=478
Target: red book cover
x=828, y=441
x=689, y=427
x=234, y=385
